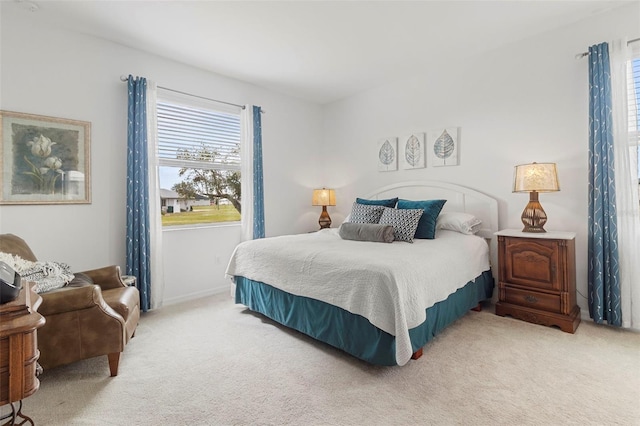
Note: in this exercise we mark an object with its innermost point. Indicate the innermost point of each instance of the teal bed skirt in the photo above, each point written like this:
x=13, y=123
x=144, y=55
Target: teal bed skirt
x=353, y=333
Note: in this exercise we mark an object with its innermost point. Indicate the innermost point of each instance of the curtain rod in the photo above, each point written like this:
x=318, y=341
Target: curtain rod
x=583, y=54
x=124, y=79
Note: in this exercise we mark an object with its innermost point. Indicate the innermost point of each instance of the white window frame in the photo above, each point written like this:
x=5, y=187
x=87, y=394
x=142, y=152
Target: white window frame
x=172, y=97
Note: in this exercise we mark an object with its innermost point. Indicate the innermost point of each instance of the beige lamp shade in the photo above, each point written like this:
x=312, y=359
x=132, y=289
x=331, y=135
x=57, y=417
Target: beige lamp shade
x=540, y=177
x=324, y=197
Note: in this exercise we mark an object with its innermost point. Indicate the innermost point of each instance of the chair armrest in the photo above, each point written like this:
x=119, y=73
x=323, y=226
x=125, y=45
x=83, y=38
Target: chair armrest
x=107, y=277
x=70, y=298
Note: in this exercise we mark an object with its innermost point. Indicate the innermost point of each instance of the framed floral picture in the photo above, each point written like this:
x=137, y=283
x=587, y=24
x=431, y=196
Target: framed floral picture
x=45, y=160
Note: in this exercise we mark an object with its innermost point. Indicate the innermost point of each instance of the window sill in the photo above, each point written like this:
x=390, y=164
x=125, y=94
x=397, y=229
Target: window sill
x=201, y=226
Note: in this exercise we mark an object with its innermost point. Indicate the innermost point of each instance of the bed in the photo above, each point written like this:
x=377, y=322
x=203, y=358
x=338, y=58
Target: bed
x=378, y=302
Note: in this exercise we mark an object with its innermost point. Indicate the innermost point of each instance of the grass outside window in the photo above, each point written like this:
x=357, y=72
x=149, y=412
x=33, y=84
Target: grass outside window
x=202, y=215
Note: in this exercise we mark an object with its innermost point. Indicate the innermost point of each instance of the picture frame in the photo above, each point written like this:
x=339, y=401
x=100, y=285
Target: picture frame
x=443, y=146
x=45, y=160
x=388, y=154
x=413, y=151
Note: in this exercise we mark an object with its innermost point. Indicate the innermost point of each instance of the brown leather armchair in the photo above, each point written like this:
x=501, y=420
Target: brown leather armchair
x=95, y=314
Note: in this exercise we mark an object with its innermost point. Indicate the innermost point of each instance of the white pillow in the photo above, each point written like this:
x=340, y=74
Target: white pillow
x=464, y=223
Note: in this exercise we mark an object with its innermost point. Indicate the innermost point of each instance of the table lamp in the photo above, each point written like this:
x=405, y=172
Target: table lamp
x=534, y=178
x=324, y=197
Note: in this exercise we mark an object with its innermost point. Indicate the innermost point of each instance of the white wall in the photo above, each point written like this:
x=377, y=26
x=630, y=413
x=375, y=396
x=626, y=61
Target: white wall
x=521, y=103
x=53, y=72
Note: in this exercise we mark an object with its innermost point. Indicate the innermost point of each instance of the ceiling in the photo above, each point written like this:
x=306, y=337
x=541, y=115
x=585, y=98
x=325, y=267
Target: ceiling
x=320, y=51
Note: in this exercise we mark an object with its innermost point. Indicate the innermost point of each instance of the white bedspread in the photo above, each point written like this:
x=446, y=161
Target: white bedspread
x=389, y=284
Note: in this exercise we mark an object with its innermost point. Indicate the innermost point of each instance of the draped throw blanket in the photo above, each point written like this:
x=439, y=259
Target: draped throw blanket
x=47, y=275
x=604, y=281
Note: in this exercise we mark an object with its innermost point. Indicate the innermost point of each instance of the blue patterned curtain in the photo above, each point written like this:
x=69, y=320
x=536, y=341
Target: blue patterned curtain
x=258, y=186
x=138, y=238
x=604, y=277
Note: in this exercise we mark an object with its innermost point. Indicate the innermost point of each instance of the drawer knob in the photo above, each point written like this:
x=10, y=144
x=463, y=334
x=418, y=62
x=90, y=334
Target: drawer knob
x=531, y=299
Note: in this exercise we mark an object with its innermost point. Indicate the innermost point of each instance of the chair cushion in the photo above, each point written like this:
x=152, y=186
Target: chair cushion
x=122, y=300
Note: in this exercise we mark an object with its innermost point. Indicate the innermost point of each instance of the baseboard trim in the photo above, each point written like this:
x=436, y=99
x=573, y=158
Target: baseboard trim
x=196, y=295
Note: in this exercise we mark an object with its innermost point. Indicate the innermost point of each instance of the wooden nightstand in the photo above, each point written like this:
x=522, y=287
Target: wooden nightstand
x=537, y=278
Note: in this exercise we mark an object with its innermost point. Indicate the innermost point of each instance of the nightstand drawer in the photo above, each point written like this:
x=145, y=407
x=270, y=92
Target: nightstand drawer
x=532, y=299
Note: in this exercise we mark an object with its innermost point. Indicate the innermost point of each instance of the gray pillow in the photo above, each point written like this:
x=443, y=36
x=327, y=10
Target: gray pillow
x=366, y=232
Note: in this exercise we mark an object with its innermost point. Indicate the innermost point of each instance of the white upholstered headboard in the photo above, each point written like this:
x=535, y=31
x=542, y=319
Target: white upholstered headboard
x=459, y=199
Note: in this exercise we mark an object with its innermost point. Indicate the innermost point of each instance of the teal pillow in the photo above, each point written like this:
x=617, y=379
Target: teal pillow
x=391, y=202
x=427, y=224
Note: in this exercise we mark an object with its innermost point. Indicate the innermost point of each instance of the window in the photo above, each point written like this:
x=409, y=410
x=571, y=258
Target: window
x=634, y=112
x=199, y=163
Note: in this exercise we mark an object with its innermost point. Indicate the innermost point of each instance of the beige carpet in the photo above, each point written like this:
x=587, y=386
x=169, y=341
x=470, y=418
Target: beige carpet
x=211, y=362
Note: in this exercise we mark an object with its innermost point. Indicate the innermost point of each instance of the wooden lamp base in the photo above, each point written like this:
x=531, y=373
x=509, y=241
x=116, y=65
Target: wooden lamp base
x=325, y=220
x=533, y=217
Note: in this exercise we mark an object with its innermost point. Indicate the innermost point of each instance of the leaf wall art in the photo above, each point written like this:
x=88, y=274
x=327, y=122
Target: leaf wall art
x=388, y=154
x=413, y=153
x=443, y=146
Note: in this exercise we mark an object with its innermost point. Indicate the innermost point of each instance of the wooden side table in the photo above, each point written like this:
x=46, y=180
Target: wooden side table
x=537, y=278
x=19, y=351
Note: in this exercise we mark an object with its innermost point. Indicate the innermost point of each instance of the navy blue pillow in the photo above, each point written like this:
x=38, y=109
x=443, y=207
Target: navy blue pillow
x=391, y=202
x=427, y=224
